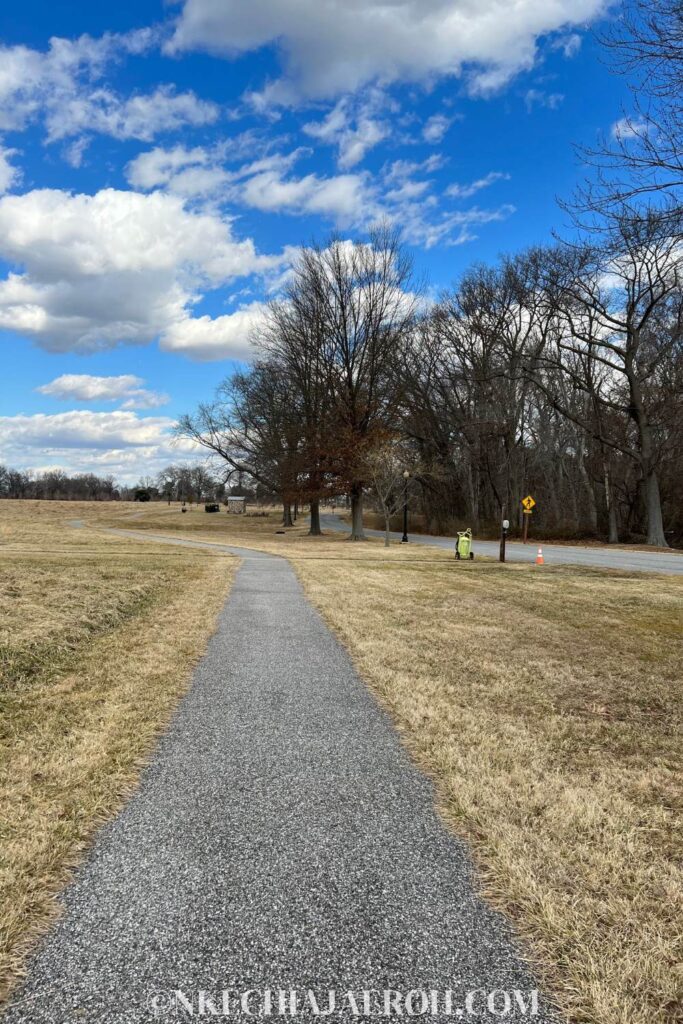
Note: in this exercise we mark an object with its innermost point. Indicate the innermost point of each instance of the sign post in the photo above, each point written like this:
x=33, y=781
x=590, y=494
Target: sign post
x=505, y=526
x=527, y=506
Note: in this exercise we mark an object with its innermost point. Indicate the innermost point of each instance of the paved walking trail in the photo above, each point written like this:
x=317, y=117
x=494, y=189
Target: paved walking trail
x=669, y=562
x=280, y=838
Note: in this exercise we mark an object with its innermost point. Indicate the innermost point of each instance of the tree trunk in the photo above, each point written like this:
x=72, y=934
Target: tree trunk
x=387, y=530
x=296, y=510
x=612, y=527
x=569, y=503
x=315, y=530
x=287, y=514
x=553, y=496
x=472, y=497
x=357, y=513
x=591, y=510
x=655, y=524
x=653, y=502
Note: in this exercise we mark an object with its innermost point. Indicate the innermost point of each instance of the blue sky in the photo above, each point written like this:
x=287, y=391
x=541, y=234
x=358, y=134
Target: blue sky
x=159, y=165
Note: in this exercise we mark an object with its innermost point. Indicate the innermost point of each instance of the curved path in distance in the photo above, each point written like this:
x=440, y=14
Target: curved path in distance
x=553, y=554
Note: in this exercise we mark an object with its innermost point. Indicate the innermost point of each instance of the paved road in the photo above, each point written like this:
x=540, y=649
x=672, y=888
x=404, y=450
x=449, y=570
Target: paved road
x=553, y=554
x=281, y=839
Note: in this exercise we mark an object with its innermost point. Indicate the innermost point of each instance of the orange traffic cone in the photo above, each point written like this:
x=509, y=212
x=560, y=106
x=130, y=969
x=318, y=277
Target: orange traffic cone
x=539, y=557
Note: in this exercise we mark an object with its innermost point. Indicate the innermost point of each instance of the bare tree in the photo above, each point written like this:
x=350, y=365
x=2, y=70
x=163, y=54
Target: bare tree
x=619, y=305
x=292, y=336
x=467, y=399
x=385, y=470
x=643, y=158
x=366, y=301
x=254, y=426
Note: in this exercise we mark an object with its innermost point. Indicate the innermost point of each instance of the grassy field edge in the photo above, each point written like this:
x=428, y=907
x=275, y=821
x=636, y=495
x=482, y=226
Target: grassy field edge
x=123, y=686
x=592, y=977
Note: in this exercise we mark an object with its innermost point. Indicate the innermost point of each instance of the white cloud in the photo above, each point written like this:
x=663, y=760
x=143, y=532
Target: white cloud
x=186, y=172
x=465, y=191
x=140, y=117
x=158, y=166
x=337, y=47
x=224, y=337
x=121, y=443
x=359, y=200
x=399, y=170
x=628, y=128
x=539, y=98
x=33, y=79
x=125, y=388
x=74, y=152
x=435, y=128
x=569, y=44
x=266, y=184
x=407, y=191
x=421, y=215
x=353, y=128
x=344, y=197
x=449, y=228
x=400, y=193
x=60, y=87
x=84, y=429
x=9, y=174
x=112, y=268
x=200, y=172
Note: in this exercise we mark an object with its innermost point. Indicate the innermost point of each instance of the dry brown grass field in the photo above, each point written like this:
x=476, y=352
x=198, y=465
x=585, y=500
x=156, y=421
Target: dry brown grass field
x=97, y=642
x=545, y=704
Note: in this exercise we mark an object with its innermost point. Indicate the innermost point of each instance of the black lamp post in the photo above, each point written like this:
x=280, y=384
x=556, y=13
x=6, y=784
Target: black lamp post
x=406, y=477
x=505, y=526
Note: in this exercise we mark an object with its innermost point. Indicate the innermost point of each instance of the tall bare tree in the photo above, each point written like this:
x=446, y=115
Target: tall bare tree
x=254, y=426
x=367, y=300
x=643, y=158
x=292, y=337
x=619, y=305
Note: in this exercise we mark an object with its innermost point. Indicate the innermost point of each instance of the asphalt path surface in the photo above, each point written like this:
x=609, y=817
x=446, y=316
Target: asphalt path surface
x=280, y=839
x=553, y=554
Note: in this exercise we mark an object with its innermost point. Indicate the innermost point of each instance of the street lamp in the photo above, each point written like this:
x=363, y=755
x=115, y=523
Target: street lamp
x=505, y=526
x=406, y=477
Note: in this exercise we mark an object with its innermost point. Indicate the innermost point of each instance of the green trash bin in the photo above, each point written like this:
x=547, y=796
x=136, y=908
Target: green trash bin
x=463, y=545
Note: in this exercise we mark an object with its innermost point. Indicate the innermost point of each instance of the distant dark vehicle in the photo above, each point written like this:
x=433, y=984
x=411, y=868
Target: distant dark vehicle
x=212, y=506
x=142, y=494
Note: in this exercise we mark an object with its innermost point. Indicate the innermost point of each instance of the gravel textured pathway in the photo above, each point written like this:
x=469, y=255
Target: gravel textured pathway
x=280, y=840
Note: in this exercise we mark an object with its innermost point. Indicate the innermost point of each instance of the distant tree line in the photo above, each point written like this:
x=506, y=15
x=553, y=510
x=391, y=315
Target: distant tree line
x=55, y=484
x=185, y=482
x=557, y=371
x=197, y=483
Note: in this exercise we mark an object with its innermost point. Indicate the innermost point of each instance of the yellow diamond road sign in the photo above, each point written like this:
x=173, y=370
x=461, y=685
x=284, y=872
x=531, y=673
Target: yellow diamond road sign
x=528, y=503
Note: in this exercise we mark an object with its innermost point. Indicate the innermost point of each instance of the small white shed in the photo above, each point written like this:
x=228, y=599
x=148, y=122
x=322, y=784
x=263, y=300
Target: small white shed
x=236, y=503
